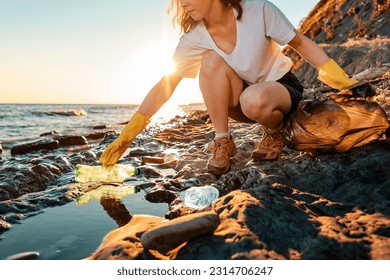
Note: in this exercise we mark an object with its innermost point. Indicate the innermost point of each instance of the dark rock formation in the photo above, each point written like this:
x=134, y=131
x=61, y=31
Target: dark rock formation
x=45, y=144
x=70, y=140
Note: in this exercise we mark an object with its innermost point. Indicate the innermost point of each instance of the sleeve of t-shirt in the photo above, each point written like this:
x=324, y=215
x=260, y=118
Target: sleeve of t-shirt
x=277, y=26
x=187, y=57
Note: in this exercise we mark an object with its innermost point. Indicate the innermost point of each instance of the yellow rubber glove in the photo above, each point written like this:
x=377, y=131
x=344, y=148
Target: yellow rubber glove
x=331, y=74
x=115, y=150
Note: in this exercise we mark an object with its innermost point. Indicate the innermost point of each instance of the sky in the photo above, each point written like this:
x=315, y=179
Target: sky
x=94, y=51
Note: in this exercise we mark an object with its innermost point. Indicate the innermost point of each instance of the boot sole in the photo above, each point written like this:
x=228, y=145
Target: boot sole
x=216, y=170
x=258, y=157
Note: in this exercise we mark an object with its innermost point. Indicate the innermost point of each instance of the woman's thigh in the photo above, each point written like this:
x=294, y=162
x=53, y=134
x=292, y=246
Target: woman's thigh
x=284, y=95
x=218, y=80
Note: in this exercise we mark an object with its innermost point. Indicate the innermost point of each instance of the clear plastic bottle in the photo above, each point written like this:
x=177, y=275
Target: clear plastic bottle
x=106, y=174
x=200, y=197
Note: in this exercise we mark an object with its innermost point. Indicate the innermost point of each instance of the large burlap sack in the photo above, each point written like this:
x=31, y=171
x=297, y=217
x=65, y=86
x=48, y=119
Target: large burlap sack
x=334, y=126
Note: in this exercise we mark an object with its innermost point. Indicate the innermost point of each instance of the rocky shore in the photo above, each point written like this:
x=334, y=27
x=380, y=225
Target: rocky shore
x=331, y=206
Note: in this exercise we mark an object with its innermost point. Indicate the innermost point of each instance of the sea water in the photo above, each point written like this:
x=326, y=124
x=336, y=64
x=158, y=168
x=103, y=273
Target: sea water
x=23, y=122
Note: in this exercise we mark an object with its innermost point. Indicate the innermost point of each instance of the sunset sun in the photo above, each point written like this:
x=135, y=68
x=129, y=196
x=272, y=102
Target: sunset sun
x=155, y=61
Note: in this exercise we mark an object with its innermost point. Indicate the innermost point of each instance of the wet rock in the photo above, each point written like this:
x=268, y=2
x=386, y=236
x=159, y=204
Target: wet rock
x=161, y=195
x=24, y=256
x=109, y=138
x=150, y=172
x=65, y=179
x=169, y=164
x=84, y=157
x=173, y=233
x=1, y=149
x=62, y=163
x=124, y=243
x=95, y=135
x=19, y=176
x=148, y=149
x=147, y=159
x=4, y=225
x=103, y=126
x=71, y=140
x=15, y=218
x=51, y=133
x=46, y=144
x=33, y=203
x=76, y=149
x=371, y=74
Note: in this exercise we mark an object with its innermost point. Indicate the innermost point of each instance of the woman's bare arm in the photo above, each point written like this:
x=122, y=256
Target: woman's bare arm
x=309, y=50
x=159, y=94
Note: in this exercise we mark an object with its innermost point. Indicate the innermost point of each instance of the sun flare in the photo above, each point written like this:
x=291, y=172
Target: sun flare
x=155, y=61
x=149, y=66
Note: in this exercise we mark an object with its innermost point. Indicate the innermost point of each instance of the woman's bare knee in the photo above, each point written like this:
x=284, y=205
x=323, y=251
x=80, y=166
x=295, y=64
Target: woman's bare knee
x=254, y=104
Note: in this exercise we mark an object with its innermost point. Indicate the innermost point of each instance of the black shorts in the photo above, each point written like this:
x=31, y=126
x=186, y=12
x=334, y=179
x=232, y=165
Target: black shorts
x=290, y=82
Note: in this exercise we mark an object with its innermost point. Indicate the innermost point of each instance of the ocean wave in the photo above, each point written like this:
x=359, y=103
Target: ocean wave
x=66, y=112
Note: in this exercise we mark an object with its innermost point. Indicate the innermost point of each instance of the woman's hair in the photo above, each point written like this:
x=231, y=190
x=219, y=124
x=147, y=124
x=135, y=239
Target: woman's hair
x=186, y=22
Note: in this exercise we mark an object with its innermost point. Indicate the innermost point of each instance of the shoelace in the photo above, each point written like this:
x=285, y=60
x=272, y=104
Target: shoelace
x=269, y=138
x=220, y=148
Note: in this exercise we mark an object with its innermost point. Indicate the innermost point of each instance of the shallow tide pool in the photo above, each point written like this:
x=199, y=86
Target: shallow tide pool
x=72, y=232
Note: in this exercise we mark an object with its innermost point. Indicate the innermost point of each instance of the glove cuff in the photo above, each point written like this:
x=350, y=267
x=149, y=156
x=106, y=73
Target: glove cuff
x=136, y=124
x=331, y=74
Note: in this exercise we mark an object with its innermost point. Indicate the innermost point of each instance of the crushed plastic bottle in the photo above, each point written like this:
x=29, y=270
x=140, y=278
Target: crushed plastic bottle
x=200, y=197
x=105, y=174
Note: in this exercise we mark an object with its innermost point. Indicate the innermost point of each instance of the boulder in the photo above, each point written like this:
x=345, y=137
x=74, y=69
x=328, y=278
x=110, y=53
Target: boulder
x=173, y=233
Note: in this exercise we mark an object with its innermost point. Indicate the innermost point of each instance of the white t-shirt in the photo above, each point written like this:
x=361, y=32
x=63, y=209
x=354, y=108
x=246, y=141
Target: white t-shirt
x=257, y=56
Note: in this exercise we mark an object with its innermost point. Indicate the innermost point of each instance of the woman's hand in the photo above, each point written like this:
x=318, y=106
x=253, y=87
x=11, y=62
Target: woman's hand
x=329, y=72
x=115, y=150
x=157, y=97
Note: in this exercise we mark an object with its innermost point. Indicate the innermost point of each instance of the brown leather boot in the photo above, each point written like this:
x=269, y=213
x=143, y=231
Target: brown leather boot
x=270, y=146
x=223, y=148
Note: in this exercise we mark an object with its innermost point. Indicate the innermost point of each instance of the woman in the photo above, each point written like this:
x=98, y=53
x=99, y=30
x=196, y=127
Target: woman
x=235, y=47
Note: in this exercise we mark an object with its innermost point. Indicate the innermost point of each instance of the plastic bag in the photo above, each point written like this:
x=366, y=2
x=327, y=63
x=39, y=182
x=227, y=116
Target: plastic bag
x=336, y=124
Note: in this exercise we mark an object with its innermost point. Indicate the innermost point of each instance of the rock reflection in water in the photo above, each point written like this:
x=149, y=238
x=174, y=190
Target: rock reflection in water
x=109, y=196
x=116, y=210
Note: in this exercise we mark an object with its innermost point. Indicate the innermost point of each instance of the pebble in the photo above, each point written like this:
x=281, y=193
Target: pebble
x=171, y=234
